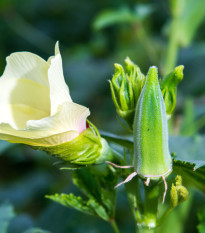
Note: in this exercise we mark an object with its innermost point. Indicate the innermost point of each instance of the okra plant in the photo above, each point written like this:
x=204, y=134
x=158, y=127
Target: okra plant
x=60, y=128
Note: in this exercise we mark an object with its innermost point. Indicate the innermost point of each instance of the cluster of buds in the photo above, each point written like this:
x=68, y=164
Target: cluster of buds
x=126, y=86
x=127, y=83
x=178, y=193
x=168, y=87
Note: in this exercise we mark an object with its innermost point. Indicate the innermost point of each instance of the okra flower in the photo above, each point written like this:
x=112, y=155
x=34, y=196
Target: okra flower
x=35, y=103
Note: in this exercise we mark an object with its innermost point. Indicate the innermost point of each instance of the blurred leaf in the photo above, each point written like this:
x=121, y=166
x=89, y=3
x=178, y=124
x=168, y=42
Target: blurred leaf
x=191, y=16
x=122, y=15
x=36, y=230
x=4, y=145
x=6, y=214
x=120, y=140
x=201, y=217
x=188, y=126
x=112, y=17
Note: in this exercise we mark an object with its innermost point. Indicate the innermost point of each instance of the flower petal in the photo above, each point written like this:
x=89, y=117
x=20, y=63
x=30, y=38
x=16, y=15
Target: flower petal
x=65, y=125
x=27, y=65
x=59, y=92
x=22, y=100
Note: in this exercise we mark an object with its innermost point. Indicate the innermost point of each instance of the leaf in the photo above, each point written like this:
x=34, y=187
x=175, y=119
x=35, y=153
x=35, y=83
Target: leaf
x=6, y=214
x=72, y=201
x=111, y=17
x=119, y=140
x=123, y=15
x=201, y=218
x=193, y=172
x=36, y=230
x=98, y=185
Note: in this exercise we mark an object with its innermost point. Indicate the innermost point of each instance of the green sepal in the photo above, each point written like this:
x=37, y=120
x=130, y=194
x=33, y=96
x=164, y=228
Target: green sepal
x=126, y=86
x=168, y=87
x=82, y=150
x=151, y=153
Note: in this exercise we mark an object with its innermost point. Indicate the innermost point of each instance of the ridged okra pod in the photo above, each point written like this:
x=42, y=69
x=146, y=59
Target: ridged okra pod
x=152, y=158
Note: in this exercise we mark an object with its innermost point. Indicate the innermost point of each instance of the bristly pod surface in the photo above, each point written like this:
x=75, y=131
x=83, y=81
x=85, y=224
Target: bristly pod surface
x=152, y=158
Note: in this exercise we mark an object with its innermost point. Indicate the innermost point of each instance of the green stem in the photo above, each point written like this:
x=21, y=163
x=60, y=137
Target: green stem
x=132, y=188
x=172, y=48
x=162, y=219
x=148, y=45
x=114, y=226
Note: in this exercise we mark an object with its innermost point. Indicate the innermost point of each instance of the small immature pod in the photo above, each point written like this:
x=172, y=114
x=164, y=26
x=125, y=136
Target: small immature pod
x=152, y=159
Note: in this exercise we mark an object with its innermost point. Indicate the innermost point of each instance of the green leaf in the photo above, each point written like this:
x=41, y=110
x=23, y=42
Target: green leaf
x=201, y=218
x=119, y=140
x=111, y=17
x=97, y=183
x=193, y=172
x=6, y=214
x=123, y=15
x=72, y=201
x=36, y=230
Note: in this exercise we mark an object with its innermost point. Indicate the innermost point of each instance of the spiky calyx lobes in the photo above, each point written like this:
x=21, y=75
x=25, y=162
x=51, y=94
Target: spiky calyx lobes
x=151, y=153
x=168, y=87
x=126, y=86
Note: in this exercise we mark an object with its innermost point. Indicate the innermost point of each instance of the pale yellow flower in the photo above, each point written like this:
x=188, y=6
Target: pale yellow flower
x=35, y=103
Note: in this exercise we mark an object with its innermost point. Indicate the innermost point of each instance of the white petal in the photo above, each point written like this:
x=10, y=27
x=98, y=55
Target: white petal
x=65, y=125
x=22, y=100
x=59, y=92
x=70, y=116
x=27, y=65
x=57, y=51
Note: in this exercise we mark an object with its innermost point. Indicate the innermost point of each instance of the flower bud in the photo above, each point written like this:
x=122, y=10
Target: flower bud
x=151, y=153
x=168, y=87
x=173, y=197
x=126, y=86
x=182, y=193
x=178, y=193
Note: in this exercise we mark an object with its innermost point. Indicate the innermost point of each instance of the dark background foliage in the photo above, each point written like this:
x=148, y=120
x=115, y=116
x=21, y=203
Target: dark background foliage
x=89, y=53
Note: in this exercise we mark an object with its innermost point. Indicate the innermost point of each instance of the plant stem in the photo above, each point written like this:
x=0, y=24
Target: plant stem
x=148, y=45
x=172, y=48
x=114, y=226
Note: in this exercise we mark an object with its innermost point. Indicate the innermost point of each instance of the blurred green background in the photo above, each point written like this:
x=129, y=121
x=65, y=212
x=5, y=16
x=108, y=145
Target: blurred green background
x=94, y=35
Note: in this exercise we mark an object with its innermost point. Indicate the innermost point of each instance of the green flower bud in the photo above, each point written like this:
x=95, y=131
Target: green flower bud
x=168, y=87
x=178, y=193
x=151, y=153
x=126, y=86
x=87, y=148
x=178, y=180
x=182, y=193
x=173, y=197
